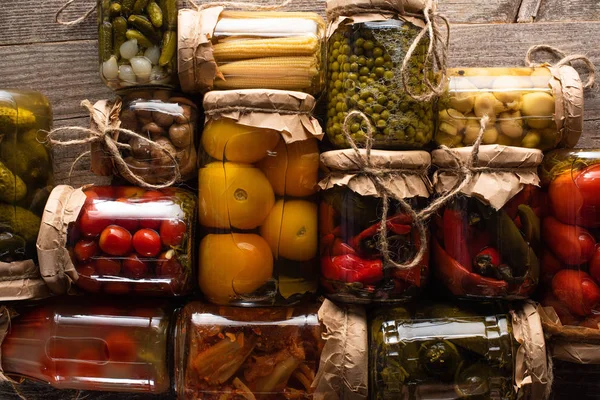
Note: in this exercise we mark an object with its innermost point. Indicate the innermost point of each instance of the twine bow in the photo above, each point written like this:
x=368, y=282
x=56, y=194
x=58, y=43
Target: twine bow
x=564, y=60
x=75, y=21
x=106, y=134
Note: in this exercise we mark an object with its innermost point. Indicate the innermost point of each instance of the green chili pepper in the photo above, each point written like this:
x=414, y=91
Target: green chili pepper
x=139, y=6
x=119, y=31
x=105, y=41
x=169, y=46
x=139, y=36
x=145, y=26
x=155, y=14
x=530, y=225
x=169, y=8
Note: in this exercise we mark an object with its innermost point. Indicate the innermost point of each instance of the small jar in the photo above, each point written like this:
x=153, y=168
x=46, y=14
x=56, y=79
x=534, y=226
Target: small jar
x=137, y=43
x=570, y=262
x=257, y=204
x=26, y=180
x=487, y=238
x=353, y=268
x=92, y=346
x=539, y=107
x=366, y=47
x=251, y=50
x=118, y=240
x=262, y=352
x=445, y=351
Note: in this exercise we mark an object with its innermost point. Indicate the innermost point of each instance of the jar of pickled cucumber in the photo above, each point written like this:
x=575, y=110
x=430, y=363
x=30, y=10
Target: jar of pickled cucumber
x=251, y=50
x=487, y=238
x=447, y=351
x=534, y=107
x=257, y=203
x=366, y=46
x=353, y=266
x=120, y=240
x=26, y=180
x=137, y=42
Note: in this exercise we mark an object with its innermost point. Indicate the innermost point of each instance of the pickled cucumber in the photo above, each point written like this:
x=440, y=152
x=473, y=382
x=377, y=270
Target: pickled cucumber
x=12, y=188
x=11, y=119
x=19, y=221
x=27, y=157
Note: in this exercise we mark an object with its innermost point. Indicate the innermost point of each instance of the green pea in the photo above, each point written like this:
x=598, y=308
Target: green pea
x=335, y=76
x=368, y=110
x=370, y=63
x=334, y=55
x=342, y=58
x=346, y=67
x=379, y=62
x=388, y=75
x=362, y=79
x=378, y=108
x=379, y=71
x=354, y=67
x=354, y=128
x=388, y=65
x=377, y=52
x=334, y=92
x=382, y=99
x=385, y=114
x=368, y=45
x=361, y=104
x=375, y=116
x=353, y=58
x=335, y=66
x=381, y=124
x=336, y=45
x=362, y=60
x=338, y=84
x=359, y=51
x=387, y=57
x=353, y=76
x=359, y=42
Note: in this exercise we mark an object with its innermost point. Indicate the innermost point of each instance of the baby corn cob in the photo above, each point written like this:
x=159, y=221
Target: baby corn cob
x=252, y=82
x=274, y=14
x=273, y=47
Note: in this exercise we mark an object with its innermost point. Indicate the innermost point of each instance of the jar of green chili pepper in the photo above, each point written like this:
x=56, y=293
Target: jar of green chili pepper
x=457, y=351
x=487, y=237
x=367, y=43
x=137, y=42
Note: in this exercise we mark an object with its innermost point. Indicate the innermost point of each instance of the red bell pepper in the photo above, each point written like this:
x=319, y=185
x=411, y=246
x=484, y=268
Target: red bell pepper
x=350, y=268
x=398, y=224
x=456, y=237
x=571, y=244
x=577, y=290
x=339, y=248
x=574, y=197
x=326, y=219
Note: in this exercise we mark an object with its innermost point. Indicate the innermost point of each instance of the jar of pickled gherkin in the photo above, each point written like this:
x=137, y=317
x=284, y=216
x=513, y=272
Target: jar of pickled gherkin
x=366, y=46
x=534, y=107
x=444, y=351
x=487, y=237
x=224, y=49
x=353, y=266
x=118, y=240
x=137, y=42
x=257, y=202
x=26, y=180
x=98, y=345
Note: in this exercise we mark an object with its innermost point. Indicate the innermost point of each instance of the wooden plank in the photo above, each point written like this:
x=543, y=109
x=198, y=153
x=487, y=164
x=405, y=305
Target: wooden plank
x=528, y=10
x=480, y=12
x=572, y=10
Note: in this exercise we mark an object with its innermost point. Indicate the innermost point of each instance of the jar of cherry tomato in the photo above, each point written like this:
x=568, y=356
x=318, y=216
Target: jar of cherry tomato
x=571, y=258
x=449, y=351
x=97, y=346
x=257, y=186
x=118, y=240
x=353, y=268
x=487, y=238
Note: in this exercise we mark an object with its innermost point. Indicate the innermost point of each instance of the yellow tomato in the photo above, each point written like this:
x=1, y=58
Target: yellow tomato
x=225, y=139
x=233, y=264
x=293, y=168
x=233, y=195
x=291, y=230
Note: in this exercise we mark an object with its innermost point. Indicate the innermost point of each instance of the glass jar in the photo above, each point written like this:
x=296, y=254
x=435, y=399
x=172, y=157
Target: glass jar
x=137, y=42
x=257, y=202
x=364, y=57
x=526, y=107
x=92, y=346
x=353, y=268
x=487, y=238
x=571, y=262
x=251, y=50
x=271, y=353
x=119, y=240
x=445, y=351
x=165, y=118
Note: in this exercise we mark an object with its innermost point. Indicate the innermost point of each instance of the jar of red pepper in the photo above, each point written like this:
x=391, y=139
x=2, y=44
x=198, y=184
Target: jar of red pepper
x=487, y=237
x=353, y=266
x=118, y=240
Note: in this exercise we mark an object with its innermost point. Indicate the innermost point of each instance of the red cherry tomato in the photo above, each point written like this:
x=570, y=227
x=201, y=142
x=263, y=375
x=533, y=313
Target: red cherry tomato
x=168, y=265
x=85, y=249
x=131, y=224
x=134, y=267
x=92, y=222
x=571, y=244
x=107, y=266
x=153, y=224
x=577, y=290
x=117, y=287
x=146, y=242
x=172, y=232
x=151, y=195
x=595, y=264
x=121, y=347
x=86, y=280
x=115, y=240
x=129, y=192
x=102, y=192
x=91, y=197
x=90, y=360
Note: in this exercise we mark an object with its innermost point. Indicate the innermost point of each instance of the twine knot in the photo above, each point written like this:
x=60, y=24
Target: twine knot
x=564, y=60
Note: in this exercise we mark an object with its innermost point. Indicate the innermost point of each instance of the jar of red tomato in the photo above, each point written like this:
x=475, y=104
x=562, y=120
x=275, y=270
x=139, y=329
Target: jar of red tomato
x=571, y=259
x=487, y=237
x=353, y=268
x=92, y=346
x=118, y=240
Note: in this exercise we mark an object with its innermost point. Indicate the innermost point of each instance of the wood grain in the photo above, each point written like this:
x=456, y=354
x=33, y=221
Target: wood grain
x=470, y=12
x=573, y=10
x=528, y=10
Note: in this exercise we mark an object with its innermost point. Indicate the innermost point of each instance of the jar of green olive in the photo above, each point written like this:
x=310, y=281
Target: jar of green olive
x=367, y=43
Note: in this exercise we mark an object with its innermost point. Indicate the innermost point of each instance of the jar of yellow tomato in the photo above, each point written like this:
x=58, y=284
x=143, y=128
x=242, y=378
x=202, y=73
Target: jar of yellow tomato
x=257, y=204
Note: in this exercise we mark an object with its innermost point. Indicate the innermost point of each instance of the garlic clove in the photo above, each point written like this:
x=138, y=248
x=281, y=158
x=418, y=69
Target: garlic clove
x=141, y=67
x=152, y=54
x=129, y=49
x=126, y=74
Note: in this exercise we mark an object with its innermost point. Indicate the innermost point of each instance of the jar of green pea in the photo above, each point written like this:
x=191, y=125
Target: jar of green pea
x=367, y=43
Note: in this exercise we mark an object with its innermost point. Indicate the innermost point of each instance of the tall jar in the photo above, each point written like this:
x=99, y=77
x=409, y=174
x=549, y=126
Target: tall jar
x=257, y=202
x=539, y=107
x=223, y=49
x=26, y=180
x=118, y=240
x=571, y=259
x=366, y=45
x=353, y=267
x=94, y=346
x=157, y=137
x=487, y=238
x=445, y=351
x=137, y=42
